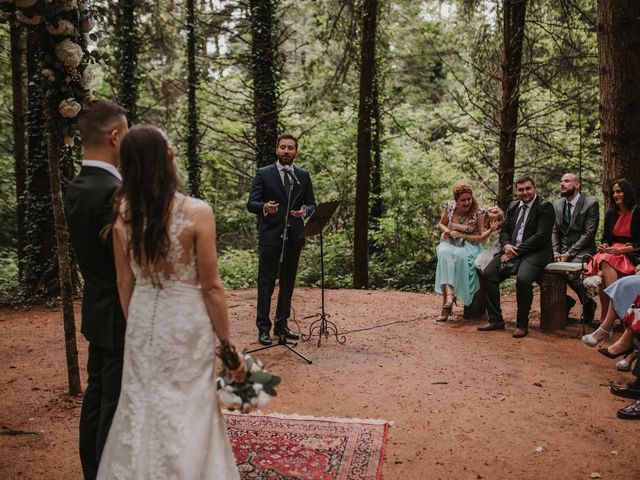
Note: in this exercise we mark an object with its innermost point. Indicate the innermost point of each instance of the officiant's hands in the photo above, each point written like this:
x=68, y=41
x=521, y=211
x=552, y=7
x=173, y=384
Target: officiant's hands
x=271, y=207
x=299, y=213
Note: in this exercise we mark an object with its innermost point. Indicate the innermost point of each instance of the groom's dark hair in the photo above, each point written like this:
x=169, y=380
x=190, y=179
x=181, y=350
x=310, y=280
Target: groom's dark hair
x=98, y=117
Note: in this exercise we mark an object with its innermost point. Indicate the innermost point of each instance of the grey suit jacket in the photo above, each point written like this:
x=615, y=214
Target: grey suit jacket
x=579, y=238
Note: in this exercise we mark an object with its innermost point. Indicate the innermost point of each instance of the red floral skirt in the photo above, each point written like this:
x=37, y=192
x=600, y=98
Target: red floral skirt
x=632, y=318
x=619, y=261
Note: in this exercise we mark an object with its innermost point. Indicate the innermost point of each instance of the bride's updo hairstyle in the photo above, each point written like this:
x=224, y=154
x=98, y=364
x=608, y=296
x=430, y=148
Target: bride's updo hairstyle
x=149, y=182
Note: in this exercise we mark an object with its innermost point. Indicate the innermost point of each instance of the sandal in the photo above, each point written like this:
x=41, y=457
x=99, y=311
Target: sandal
x=446, y=308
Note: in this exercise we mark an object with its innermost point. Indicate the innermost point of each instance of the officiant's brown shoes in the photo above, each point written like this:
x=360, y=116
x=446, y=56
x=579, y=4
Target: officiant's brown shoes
x=487, y=327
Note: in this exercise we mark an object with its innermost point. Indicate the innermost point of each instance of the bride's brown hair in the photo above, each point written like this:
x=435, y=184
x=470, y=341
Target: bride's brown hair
x=149, y=182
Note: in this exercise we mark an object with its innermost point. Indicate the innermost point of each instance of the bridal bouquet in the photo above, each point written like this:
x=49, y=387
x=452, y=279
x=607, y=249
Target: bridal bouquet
x=255, y=392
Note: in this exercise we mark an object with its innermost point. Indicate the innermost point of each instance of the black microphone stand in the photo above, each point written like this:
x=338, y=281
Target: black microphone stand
x=282, y=338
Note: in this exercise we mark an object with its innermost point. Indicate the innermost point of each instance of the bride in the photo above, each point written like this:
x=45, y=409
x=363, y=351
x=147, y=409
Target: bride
x=168, y=424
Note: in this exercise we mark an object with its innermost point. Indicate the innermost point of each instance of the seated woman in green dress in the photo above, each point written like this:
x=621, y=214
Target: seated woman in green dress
x=462, y=228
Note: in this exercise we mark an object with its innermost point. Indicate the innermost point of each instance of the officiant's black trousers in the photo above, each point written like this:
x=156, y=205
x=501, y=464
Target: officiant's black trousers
x=268, y=270
x=99, y=403
x=492, y=277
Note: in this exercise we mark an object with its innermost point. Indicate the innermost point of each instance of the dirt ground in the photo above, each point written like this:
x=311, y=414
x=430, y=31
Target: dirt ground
x=465, y=404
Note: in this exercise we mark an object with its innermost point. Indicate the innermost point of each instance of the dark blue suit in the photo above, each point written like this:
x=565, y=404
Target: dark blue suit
x=268, y=186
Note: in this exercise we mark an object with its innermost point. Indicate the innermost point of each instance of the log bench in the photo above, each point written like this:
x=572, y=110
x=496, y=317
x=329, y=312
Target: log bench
x=553, y=294
x=553, y=297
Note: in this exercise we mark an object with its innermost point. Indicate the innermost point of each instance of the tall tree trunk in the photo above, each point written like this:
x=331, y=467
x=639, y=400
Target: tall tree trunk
x=363, y=169
x=126, y=53
x=618, y=28
x=19, y=88
x=514, y=14
x=40, y=267
x=64, y=259
x=193, y=159
x=265, y=79
x=376, y=166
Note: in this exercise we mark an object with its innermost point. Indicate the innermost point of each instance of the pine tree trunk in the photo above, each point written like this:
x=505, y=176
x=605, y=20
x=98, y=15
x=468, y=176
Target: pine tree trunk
x=126, y=53
x=40, y=267
x=19, y=88
x=364, y=141
x=64, y=263
x=376, y=167
x=265, y=79
x=193, y=159
x=618, y=27
x=514, y=14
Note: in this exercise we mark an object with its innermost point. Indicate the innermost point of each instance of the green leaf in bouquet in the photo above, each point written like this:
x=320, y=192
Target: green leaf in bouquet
x=260, y=377
x=270, y=390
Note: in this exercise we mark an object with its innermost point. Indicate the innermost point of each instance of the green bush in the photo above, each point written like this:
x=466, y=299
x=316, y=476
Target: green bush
x=238, y=268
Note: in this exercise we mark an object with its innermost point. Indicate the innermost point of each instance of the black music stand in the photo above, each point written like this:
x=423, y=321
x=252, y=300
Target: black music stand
x=314, y=226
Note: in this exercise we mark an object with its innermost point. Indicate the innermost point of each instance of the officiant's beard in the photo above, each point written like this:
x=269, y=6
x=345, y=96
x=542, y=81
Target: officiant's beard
x=568, y=193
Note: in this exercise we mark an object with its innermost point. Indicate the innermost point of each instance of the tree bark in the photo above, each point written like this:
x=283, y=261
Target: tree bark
x=618, y=31
x=19, y=88
x=64, y=261
x=193, y=158
x=514, y=14
x=126, y=52
x=265, y=79
x=40, y=269
x=364, y=143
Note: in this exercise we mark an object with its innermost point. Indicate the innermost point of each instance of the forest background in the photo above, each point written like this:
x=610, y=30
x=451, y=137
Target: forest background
x=435, y=81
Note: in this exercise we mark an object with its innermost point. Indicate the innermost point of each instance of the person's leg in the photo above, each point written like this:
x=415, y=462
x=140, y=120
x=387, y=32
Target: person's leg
x=269, y=257
x=527, y=274
x=609, y=275
x=90, y=414
x=111, y=383
x=624, y=343
x=491, y=279
x=588, y=305
x=288, y=279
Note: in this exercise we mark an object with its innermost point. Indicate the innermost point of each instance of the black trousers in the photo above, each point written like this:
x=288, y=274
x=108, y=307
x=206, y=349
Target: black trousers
x=492, y=277
x=268, y=269
x=98, y=405
x=575, y=282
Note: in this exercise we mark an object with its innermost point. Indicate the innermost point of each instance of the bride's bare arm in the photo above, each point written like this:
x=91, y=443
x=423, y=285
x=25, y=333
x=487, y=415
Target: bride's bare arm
x=125, y=279
x=210, y=281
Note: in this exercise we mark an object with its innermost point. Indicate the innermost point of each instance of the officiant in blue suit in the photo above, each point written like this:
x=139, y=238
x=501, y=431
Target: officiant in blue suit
x=268, y=200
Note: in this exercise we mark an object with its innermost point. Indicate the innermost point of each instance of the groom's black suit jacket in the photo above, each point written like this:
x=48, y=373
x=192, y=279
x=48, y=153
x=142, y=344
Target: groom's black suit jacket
x=88, y=207
x=267, y=186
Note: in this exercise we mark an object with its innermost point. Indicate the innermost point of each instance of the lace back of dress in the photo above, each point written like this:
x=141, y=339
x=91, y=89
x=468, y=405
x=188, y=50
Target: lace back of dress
x=180, y=263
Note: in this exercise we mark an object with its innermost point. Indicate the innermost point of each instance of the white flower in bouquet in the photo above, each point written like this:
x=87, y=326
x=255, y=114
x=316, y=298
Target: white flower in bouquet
x=69, y=108
x=229, y=400
x=64, y=27
x=69, y=53
x=25, y=3
x=257, y=387
x=35, y=20
x=263, y=399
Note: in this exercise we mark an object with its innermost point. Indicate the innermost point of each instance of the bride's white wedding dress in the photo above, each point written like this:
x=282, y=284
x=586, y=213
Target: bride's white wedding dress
x=168, y=424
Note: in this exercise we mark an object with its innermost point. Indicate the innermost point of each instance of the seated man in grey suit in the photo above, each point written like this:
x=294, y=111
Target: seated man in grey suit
x=574, y=233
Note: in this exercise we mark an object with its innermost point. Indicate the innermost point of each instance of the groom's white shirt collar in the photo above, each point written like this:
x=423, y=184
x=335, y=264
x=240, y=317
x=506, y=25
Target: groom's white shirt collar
x=103, y=165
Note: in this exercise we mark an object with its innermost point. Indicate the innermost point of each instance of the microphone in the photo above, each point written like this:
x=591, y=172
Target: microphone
x=291, y=173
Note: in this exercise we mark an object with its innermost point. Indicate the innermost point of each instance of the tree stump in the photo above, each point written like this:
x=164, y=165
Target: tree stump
x=553, y=301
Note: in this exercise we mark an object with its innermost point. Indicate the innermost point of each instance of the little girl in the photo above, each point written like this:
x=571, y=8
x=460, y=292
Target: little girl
x=495, y=218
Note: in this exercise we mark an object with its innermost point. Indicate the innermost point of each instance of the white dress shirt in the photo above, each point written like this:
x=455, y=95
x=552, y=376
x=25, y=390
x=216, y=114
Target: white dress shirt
x=520, y=233
x=103, y=165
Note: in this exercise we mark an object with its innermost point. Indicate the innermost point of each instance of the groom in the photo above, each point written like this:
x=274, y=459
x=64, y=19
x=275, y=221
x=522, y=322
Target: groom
x=268, y=200
x=88, y=208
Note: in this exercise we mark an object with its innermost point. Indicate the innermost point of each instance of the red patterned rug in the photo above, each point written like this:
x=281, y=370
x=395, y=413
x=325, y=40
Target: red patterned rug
x=305, y=448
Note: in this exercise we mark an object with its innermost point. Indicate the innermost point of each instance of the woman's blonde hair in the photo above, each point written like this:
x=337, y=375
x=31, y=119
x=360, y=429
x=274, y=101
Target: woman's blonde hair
x=495, y=211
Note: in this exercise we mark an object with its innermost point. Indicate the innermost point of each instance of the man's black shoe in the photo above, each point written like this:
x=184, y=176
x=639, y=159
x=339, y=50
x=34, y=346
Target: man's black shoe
x=588, y=311
x=288, y=334
x=489, y=326
x=570, y=303
x=625, y=392
x=264, y=339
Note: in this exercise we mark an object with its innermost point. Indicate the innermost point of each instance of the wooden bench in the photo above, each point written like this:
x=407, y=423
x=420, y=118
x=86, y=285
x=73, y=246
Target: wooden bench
x=553, y=294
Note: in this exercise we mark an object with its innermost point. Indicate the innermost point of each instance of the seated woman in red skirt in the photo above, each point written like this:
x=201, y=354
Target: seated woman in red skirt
x=618, y=254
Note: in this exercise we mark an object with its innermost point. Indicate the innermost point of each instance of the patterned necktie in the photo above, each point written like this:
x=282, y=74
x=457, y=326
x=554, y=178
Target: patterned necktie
x=566, y=220
x=519, y=223
x=287, y=182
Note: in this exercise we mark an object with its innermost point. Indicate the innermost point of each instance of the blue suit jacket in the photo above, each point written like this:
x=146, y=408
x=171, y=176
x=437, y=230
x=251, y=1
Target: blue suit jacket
x=267, y=186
